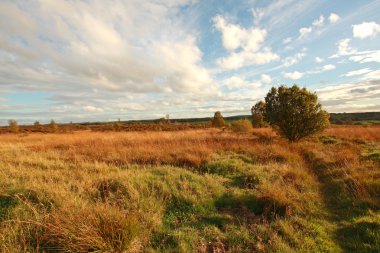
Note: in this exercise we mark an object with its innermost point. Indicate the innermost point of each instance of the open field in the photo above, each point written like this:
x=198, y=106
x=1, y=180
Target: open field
x=202, y=190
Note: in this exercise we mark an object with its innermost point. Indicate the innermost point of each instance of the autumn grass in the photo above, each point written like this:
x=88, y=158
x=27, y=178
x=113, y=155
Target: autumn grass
x=358, y=133
x=188, y=191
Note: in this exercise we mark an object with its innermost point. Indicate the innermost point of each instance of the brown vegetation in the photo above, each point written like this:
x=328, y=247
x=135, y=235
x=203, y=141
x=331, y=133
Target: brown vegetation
x=189, y=191
x=371, y=133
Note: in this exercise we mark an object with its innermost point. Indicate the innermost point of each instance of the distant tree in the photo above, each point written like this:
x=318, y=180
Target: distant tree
x=348, y=121
x=53, y=126
x=37, y=126
x=13, y=126
x=164, y=120
x=218, y=120
x=258, y=111
x=295, y=113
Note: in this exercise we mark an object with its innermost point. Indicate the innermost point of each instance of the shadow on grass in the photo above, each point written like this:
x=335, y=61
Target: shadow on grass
x=239, y=205
x=360, y=237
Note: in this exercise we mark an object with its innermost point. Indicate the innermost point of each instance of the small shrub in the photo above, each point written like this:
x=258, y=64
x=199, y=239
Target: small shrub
x=13, y=126
x=37, y=126
x=53, y=126
x=218, y=120
x=242, y=126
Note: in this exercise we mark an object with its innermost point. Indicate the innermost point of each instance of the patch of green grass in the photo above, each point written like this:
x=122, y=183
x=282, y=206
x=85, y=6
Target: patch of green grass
x=372, y=156
x=328, y=139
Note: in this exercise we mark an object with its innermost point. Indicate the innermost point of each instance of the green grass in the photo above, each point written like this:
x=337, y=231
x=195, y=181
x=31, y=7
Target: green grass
x=299, y=201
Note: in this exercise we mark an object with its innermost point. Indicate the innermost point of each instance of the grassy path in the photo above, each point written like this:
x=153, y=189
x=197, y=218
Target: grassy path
x=354, y=226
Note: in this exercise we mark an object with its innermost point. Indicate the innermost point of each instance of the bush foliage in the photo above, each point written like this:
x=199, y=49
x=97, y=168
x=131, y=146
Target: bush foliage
x=13, y=125
x=258, y=119
x=294, y=112
x=218, y=120
x=242, y=126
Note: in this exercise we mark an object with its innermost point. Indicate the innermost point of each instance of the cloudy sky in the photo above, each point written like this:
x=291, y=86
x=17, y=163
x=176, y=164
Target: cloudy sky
x=103, y=60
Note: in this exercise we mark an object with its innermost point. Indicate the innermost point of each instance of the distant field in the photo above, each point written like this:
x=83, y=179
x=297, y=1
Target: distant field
x=190, y=190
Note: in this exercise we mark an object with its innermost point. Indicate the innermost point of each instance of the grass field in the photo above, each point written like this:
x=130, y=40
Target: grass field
x=190, y=191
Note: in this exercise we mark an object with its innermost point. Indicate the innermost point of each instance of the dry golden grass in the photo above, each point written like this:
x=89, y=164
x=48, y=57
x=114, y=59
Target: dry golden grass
x=371, y=133
x=112, y=191
x=182, y=148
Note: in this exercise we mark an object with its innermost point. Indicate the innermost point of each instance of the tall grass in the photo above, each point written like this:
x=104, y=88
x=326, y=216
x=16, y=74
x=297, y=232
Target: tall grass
x=187, y=191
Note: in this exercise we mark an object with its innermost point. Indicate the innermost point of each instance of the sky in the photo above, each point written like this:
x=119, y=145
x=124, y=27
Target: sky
x=96, y=60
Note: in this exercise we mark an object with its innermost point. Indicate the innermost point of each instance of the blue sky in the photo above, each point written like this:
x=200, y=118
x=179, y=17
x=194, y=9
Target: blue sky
x=103, y=60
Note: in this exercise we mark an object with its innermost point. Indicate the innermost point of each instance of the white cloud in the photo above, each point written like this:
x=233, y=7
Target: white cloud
x=266, y=78
x=234, y=36
x=293, y=75
x=90, y=108
x=235, y=82
x=365, y=30
x=324, y=68
x=304, y=31
x=344, y=48
x=360, y=96
x=319, y=22
x=318, y=59
x=328, y=67
x=333, y=18
x=373, y=75
x=316, y=26
x=258, y=14
x=358, y=72
x=77, y=45
x=291, y=60
x=366, y=56
x=244, y=45
x=287, y=40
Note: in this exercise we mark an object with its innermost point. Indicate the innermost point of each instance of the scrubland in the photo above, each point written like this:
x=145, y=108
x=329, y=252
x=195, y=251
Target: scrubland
x=190, y=191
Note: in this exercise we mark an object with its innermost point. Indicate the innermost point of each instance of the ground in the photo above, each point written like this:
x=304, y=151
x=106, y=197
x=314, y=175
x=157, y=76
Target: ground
x=190, y=191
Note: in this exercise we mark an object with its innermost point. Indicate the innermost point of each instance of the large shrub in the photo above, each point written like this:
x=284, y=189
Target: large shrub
x=294, y=112
x=242, y=126
x=218, y=120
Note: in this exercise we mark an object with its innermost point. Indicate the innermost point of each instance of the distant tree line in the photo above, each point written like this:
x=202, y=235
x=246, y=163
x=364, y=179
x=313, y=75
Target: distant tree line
x=37, y=127
x=293, y=112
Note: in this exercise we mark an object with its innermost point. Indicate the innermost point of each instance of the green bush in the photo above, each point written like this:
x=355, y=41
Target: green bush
x=294, y=112
x=258, y=119
x=218, y=120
